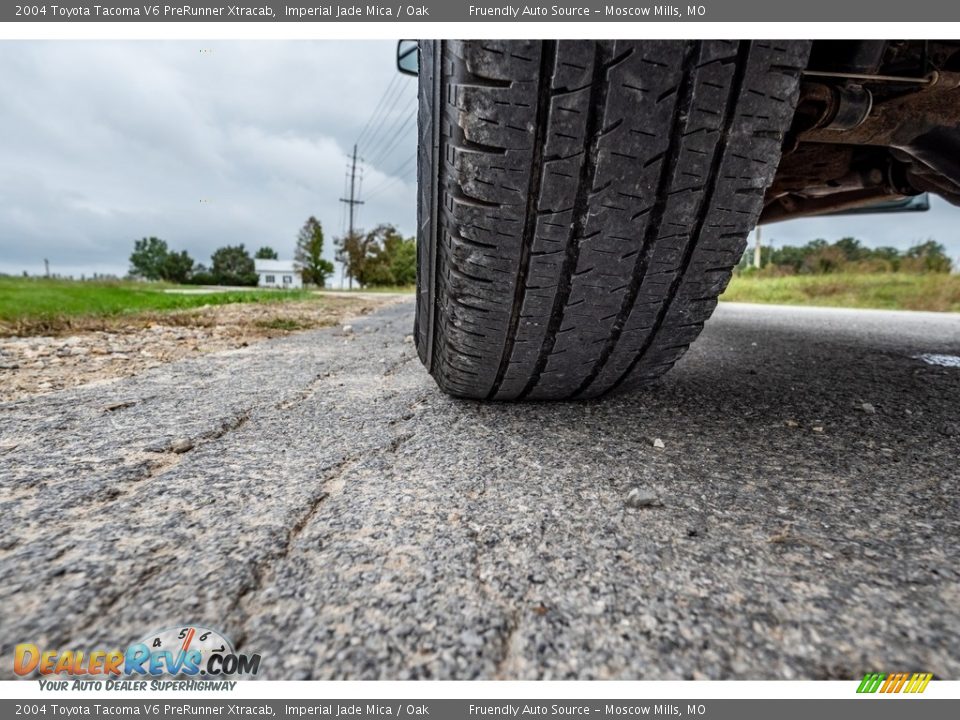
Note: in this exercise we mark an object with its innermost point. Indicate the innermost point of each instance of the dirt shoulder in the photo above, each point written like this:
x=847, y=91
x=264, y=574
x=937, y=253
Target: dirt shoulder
x=106, y=348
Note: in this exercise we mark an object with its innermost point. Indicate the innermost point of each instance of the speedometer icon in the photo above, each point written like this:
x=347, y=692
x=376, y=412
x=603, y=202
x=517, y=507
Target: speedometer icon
x=183, y=639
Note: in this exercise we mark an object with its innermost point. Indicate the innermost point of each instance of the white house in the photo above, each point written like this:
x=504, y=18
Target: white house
x=278, y=274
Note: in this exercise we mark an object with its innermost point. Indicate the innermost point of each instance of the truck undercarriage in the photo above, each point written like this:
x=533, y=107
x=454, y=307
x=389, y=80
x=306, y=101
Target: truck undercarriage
x=876, y=121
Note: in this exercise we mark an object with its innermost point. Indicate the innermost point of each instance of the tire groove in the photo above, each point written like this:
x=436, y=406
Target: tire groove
x=436, y=170
x=652, y=231
x=599, y=90
x=548, y=59
x=733, y=97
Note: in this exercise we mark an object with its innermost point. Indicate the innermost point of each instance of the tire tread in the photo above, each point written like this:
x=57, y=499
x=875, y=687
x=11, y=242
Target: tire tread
x=590, y=200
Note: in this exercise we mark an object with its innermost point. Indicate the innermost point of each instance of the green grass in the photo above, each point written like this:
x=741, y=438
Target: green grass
x=285, y=324
x=31, y=305
x=886, y=291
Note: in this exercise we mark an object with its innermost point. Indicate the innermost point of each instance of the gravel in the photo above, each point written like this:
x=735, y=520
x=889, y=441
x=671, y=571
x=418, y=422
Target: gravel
x=128, y=345
x=641, y=497
x=344, y=519
x=181, y=445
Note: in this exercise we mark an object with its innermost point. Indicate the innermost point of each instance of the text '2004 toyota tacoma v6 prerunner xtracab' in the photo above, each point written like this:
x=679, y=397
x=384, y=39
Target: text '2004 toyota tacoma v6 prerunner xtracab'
x=582, y=203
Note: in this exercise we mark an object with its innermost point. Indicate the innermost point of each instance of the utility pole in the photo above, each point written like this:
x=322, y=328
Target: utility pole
x=756, y=251
x=46, y=267
x=351, y=201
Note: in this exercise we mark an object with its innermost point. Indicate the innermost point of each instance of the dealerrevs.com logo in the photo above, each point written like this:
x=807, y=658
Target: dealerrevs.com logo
x=190, y=651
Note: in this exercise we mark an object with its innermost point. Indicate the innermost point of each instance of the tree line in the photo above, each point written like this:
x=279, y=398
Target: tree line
x=818, y=257
x=380, y=257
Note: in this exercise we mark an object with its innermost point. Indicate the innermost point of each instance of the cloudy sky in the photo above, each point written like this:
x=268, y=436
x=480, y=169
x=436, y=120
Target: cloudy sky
x=201, y=144
x=205, y=144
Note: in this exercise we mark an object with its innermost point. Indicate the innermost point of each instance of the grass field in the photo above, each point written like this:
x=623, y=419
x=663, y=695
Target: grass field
x=886, y=291
x=32, y=306
x=29, y=306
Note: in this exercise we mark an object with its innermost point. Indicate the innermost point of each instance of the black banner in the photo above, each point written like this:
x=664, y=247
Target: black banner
x=872, y=708
x=464, y=11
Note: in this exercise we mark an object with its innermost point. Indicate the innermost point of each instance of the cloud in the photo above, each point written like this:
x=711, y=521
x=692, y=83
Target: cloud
x=200, y=143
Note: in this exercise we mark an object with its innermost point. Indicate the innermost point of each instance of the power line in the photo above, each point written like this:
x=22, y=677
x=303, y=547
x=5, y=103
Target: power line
x=390, y=184
x=375, y=152
x=393, y=175
x=378, y=107
x=359, y=194
x=343, y=208
x=396, y=141
x=402, y=119
x=386, y=186
x=385, y=116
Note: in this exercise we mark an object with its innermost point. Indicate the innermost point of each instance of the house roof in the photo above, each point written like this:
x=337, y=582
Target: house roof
x=277, y=266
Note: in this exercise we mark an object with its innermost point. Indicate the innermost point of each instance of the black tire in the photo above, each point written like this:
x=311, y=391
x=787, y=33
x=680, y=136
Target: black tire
x=582, y=203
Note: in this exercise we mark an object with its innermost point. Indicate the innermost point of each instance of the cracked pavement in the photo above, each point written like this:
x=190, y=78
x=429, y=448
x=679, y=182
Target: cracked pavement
x=321, y=502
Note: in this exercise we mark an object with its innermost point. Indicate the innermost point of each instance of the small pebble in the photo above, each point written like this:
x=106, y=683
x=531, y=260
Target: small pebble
x=791, y=423
x=640, y=497
x=868, y=409
x=817, y=428
x=348, y=328
x=658, y=444
x=181, y=445
x=408, y=338
x=118, y=406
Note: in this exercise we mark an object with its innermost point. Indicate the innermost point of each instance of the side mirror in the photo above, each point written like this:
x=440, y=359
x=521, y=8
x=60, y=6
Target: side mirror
x=408, y=57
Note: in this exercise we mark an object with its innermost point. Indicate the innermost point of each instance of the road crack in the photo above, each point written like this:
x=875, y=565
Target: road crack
x=393, y=368
x=263, y=570
x=308, y=391
x=512, y=642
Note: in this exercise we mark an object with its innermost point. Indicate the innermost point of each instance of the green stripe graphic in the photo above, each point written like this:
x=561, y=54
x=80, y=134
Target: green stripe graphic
x=871, y=682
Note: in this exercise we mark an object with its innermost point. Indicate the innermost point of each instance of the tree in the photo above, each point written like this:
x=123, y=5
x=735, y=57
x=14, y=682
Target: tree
x=352, y=252
x=788, y=256
x=825, y=260
x=929, y=256
x=380, y=257
x=309, y=253
x=851, y=248
x=153, y=260
x=177, y=267
x=850, y=255
x=148, y=258
x=232, y=265
x=200, y=275
x=890, y=255
x=265, y=253
x=403, y=263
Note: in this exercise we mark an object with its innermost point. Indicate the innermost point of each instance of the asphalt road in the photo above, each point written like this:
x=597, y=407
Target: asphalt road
x=331, y=510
